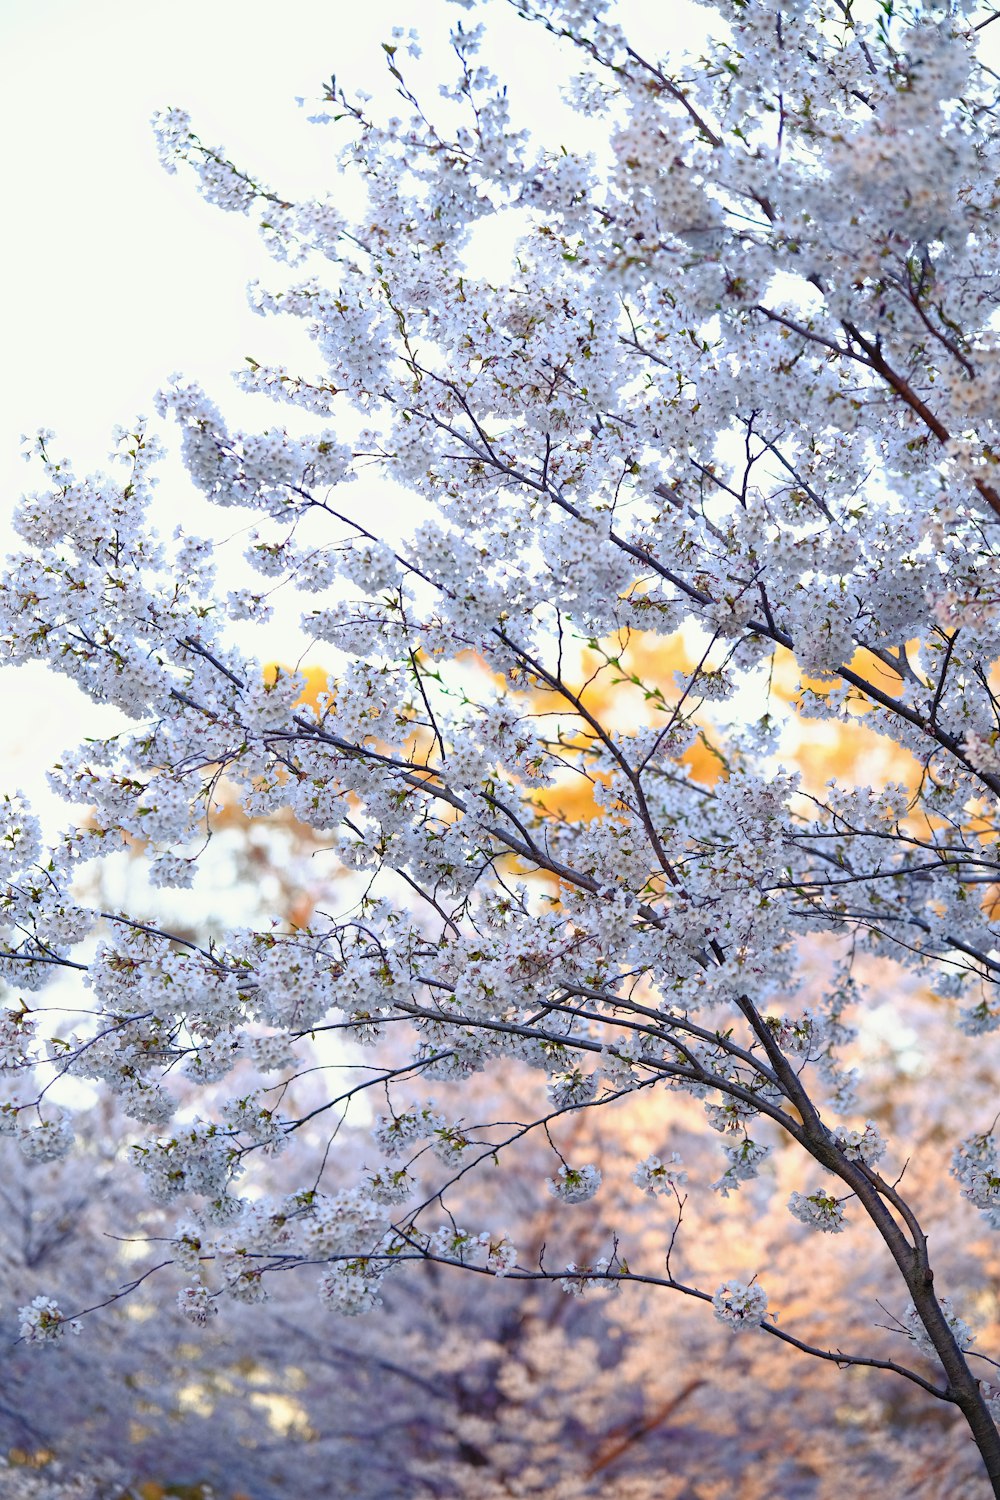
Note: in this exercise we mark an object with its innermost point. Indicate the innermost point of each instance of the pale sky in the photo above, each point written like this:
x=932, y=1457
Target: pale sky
x=117, y=274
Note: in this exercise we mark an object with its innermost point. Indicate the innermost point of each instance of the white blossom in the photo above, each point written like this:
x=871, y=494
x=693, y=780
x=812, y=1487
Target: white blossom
x=45, y=1140
x=351, y=1287
x=581, y=1279
x=195, y=1303
x=708, y=473
x=394, y=1133
x=819, y=1210
x=740, y=1306
x=744, y=1160
x=865, y=1145
x=574, y=1184
x=914, y=1328
x=657, y=1177
x=570, y=1090
x=501, y=1256
x=42, y=1322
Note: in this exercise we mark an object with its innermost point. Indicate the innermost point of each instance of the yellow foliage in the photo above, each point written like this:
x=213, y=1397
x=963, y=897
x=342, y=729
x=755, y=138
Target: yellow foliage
x=629, y=682
x=824, y=750
x=317, y=681
x=152, y=1489
x=704, y=763
x=788, y=680
x=36, y=1458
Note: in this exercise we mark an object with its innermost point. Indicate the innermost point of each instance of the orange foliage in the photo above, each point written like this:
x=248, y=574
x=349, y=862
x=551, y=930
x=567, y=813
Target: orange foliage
x=637, y=680
x=317, y=682
x=627, y=683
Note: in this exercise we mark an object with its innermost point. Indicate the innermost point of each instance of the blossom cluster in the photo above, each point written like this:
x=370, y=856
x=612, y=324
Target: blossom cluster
x=574, y=1184
x=914, y=1329
x=976, y=1165
x=740, y=1306
x=865, y=1145
x=818, y=1210
x=744, y=1162
x=657, y=1177
x=580, y=1279
x=42, y=1322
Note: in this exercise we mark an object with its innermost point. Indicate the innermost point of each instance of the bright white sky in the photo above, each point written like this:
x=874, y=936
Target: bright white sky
x=117, y=274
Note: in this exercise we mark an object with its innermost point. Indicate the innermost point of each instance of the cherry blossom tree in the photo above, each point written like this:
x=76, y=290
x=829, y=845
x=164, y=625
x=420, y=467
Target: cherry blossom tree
x=735, y=397
x=462, y=1388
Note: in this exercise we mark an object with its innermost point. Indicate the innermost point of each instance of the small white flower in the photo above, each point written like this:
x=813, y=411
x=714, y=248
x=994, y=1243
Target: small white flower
x=818, y=1210
x=579, y=1279
x=916, y=1331
x=390, y=1186
x=186, y=1246
x=744, y=1161
x=194, y=1303
x=48, y=1141
x=394, y=1133
x=740, y=1306
x=450, y=1145
x=574, y=1184
x=865, y=1145
x=16, y=1034
x=244, y=604
x=572, y=1284
x=250, y=1117
x=573, y=1088
x=351, y=1286
x=41, y=1322
x=732, y=1114
x=660, y=1177
x=271, y=1053
x=501, y=1255
x=244, y=1281
x=991, y=1395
